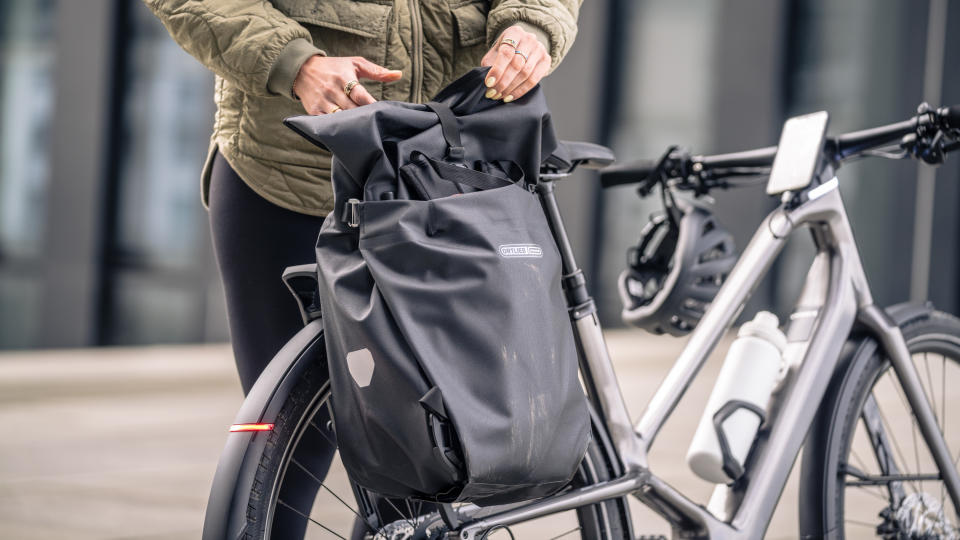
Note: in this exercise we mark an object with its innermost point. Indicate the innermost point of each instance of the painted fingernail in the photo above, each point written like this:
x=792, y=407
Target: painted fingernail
x=498, y=96
x=508, y=99
x=490, y=93
x=490, y=81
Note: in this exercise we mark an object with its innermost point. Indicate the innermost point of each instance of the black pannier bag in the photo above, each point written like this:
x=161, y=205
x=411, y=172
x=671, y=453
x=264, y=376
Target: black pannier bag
x=452, y=361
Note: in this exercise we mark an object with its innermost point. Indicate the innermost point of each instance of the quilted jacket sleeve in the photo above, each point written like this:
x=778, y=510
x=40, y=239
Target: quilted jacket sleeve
x=553, y=21
x=247, y=42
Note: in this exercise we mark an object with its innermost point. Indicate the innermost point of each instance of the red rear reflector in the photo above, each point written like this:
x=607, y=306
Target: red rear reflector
x=251, y=427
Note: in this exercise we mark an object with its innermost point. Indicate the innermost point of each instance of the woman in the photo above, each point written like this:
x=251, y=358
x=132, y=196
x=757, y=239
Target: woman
x=267, y=188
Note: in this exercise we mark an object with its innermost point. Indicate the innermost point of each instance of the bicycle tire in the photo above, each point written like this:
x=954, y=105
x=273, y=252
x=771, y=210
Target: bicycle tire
x=832, y=469
x=604, y=521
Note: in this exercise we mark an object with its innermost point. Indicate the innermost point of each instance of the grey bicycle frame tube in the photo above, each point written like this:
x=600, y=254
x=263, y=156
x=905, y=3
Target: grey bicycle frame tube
x=836, y=291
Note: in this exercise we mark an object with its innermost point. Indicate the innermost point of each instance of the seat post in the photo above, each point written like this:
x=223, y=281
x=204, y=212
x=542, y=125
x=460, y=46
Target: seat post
x=574, y=283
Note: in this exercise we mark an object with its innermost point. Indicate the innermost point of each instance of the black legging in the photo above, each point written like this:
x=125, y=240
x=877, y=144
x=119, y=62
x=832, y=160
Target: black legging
x=254, y=240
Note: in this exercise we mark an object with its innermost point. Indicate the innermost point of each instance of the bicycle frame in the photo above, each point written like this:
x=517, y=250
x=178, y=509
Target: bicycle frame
x=835, y=296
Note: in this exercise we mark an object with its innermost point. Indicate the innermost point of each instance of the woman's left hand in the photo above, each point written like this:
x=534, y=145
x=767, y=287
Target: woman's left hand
x=518, y=61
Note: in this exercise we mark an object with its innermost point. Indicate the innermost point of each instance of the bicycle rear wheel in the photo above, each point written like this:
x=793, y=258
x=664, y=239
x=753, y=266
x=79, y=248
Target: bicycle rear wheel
x=866, y=460
x=302, y=491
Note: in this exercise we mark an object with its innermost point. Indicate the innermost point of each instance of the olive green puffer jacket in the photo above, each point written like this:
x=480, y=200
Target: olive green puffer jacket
x=256, y=48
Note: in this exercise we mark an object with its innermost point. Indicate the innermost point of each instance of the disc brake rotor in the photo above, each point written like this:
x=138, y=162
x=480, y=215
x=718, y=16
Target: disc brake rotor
x=920, y=516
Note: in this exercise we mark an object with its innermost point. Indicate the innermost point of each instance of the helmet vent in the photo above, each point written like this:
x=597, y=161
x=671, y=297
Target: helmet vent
x=713, y=253
x=713, y=279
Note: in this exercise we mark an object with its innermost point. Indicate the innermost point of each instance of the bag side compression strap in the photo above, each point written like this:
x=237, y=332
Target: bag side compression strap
x=451, y=130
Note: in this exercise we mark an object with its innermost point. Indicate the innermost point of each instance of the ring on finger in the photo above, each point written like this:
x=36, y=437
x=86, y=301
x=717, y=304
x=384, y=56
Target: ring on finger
x=511, y=42
x=521, y=54
x=347, y=88
x=335, y=109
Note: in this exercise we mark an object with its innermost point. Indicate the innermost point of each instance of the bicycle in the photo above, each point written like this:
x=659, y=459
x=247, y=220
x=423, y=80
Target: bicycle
x=841, y=347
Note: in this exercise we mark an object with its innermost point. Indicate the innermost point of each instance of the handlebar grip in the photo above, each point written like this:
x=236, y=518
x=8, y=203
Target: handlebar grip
x=627, y=173
x=951, y=116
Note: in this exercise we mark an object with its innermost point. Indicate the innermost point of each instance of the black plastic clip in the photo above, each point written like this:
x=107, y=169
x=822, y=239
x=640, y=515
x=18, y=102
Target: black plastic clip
x=731, y=467
x=351, y=213
x=446, y=445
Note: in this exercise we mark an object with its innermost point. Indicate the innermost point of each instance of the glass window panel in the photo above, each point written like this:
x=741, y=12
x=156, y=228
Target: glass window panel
x=660, y=104
x=159, y=251
x=854, y=61
x=19, y=310
x=167, y=118
x=26, y=105
x=146, y=310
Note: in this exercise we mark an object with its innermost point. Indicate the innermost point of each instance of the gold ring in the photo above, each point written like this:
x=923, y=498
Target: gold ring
x=507, y=41
x=521, y=54
x=336, y=109
x=347, y=88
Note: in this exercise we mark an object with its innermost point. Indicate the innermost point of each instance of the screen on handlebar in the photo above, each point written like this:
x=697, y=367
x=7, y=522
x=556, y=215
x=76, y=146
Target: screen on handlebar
x=800, y=147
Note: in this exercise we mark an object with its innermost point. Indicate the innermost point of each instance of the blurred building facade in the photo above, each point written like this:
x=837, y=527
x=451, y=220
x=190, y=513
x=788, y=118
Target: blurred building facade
x=104, y=123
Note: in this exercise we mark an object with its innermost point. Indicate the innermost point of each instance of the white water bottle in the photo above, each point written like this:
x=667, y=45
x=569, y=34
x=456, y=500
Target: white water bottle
x=746, y=381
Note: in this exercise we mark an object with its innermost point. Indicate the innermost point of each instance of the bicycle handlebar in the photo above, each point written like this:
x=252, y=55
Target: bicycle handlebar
x=836, y=149
x=627, y=173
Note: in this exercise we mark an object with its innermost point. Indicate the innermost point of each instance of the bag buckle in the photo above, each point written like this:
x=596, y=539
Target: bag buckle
x=351, y=213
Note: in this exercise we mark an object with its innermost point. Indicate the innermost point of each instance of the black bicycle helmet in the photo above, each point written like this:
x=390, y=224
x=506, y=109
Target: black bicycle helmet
x=673, y=274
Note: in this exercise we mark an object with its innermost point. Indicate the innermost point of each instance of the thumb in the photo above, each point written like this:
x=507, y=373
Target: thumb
x=368, y=70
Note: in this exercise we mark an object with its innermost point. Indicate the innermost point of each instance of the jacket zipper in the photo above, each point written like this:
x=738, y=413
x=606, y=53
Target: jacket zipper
x=417, y=60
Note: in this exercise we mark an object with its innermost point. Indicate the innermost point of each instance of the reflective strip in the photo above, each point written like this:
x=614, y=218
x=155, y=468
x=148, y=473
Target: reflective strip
x=251, y=427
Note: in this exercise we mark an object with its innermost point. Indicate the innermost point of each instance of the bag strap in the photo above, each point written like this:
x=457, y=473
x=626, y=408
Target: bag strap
x=461, y=175
x=451, y=130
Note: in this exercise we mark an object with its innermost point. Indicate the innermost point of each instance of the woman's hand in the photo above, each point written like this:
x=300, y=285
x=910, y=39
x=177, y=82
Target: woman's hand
x=321, y=81
x=519, y=61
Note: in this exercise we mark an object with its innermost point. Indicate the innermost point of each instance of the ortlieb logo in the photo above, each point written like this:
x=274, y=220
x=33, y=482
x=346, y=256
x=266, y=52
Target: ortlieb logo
x=520, y=250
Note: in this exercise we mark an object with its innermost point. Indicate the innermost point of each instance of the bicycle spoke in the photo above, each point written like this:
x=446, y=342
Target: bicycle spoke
x=943, y=394
x=330, y=491
x=956, y=461
x=886, y=423
x=861, y=523
x=860, y=463
x=863, y=467
x=943, y=415
x=933, y=397
x=399, y=513
x=571, y=531
x=324, y=434
x=913, y=428
x=880, y=496
x=321, y=525
x=867, y=490
x=916, y=453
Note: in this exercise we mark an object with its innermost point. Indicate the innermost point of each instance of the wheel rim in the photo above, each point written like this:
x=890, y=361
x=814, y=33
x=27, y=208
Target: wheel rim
x=890, y=485
x=332, y=511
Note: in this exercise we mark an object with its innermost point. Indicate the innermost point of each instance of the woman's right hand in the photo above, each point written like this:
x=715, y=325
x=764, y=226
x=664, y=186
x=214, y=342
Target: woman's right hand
x=321, y=81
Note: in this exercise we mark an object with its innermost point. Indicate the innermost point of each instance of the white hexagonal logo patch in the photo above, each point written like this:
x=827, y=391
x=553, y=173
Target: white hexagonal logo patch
x=360, y=364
